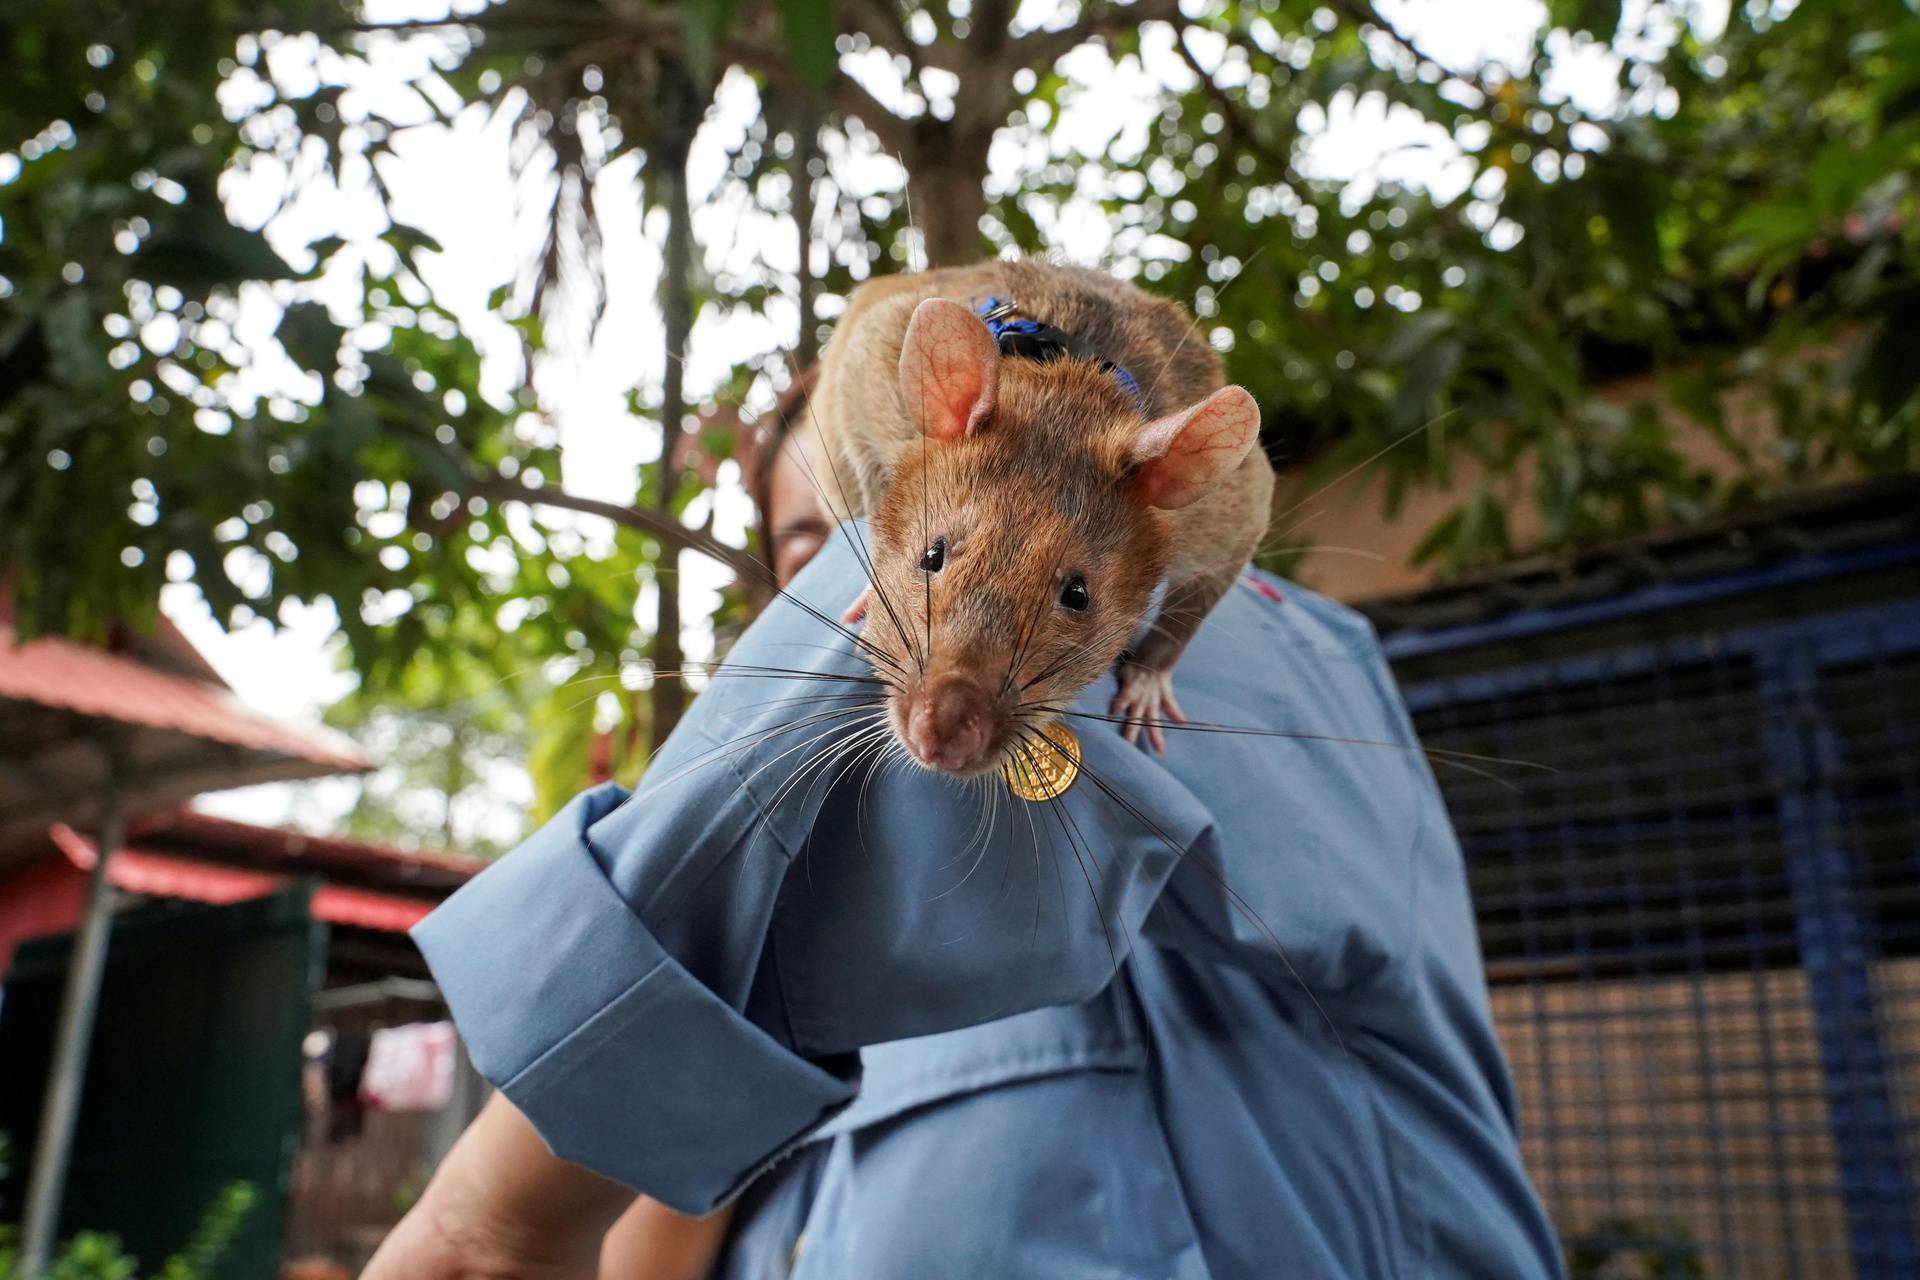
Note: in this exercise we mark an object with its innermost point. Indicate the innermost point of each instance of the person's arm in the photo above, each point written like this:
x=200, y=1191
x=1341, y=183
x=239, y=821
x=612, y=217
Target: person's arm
x=652, y=1242
x=501, y=1204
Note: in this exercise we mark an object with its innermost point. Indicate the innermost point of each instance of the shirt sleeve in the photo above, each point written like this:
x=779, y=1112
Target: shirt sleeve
x=673, y=985
x=623, y=1061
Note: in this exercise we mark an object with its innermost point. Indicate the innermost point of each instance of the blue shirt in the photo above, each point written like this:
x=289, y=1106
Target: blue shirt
x=1214, y=1014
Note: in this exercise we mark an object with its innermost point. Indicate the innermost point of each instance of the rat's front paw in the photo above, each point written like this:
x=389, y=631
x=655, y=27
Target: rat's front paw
x=1145, y=701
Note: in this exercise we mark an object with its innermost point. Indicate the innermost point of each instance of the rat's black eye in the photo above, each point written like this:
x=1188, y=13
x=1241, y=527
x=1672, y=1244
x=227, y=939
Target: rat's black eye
x=1074, y=595
x=934, y=558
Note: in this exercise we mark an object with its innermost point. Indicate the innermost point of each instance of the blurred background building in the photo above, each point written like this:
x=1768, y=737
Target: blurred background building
x=279, y=1033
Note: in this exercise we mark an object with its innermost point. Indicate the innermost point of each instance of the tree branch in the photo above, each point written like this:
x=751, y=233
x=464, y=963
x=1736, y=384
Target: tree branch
x=640, y=519
x=503, y=18
x=880, y=22
x=1237, y=121
x=1041, y=49
x=847, y=94
x=895, y=132
x=1363, y=13
x=990, y=35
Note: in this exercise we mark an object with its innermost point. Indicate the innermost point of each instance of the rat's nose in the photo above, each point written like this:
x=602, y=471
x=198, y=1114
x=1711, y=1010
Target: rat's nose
x=948, y=725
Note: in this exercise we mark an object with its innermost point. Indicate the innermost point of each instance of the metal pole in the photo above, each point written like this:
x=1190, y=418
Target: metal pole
x=78, y=1002
x=1839, y=952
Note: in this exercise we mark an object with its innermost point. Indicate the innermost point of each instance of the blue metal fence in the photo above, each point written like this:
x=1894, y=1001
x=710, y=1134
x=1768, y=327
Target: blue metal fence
x=1702, y=926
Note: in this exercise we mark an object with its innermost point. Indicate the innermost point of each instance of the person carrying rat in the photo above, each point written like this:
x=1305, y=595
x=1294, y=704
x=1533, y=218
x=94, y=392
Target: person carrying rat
x=1213, y=1012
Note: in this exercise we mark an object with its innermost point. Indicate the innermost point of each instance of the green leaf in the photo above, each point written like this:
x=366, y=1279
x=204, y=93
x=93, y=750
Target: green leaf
x=409, y=242
x=311, y=338
x=809, y=25
x=1627, y=197
x=1890, y=373
x=702, y=23
x=202, y=249
x=1427, y=375
x=1415, y=334
x=322, y=250
x=1601, y=18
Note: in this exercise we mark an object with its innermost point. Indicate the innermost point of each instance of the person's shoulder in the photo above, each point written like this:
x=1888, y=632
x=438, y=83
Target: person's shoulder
x=1306, y=613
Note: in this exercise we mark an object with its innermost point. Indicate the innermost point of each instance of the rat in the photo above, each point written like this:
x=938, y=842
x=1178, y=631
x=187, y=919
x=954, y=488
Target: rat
x=1037, y=449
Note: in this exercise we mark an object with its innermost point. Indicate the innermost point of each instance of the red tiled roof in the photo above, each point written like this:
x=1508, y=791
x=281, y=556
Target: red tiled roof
x=157, y=875
x=194, y=830
x=51, y=671
x=367, y=910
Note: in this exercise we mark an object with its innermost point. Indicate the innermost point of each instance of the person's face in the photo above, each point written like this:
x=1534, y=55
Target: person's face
x=796, y=521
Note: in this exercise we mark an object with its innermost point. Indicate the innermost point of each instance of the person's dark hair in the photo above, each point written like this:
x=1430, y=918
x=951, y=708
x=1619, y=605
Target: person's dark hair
x=789, y=411
x=757, y=465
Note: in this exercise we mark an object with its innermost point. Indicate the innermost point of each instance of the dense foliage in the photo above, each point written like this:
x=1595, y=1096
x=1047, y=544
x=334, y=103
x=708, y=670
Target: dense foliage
x=97, y=1255
x=1692, y=281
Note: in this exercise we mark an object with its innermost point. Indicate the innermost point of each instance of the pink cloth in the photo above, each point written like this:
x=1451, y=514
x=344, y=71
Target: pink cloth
x=410, y=1068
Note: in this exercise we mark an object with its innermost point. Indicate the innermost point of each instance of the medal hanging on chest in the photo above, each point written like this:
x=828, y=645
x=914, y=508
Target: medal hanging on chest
x=1045, y=769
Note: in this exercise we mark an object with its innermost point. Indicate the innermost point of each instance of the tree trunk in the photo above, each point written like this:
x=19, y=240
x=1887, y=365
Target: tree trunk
x=806, y=154
x=947, y=171
x=669, y=695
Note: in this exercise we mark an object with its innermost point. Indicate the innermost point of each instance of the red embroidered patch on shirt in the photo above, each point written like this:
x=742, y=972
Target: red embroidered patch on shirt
x=1266, y=589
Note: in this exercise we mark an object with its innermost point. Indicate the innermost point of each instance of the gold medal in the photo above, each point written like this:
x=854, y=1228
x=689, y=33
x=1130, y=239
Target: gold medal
x=1043, y=770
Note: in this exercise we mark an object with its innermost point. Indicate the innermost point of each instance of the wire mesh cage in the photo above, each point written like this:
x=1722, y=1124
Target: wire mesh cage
x=1702, y=922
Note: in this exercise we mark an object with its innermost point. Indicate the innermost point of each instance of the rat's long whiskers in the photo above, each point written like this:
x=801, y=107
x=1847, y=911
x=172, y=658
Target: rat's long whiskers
x=811, y=763
x=967, y=785
x=726, y=670
x=819, y=766
x=1033, y=833
x=1189, y=330
x=727, y=750
x=801, y=699
x=886, y=744
x=1030, y=627
x=856, y=736
x=1061, y=819
x=1445, y=755
x=983, y=833
x=859, y=641
x=906, y=195
x=1186, y=856
x=1359, y=466
x=859, y=548
x=926, y=577
x=1358, y=553
x=748, y=781
x=1058, y=665
x=723, y=671
x=827, y=648
x=976, y=787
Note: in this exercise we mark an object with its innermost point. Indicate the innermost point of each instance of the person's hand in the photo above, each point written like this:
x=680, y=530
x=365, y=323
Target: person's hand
x=652, y=1242
x=502, y=1207
x=447, y=1242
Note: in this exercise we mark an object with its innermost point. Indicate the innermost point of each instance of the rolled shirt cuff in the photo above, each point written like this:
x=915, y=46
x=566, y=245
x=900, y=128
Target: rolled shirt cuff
x=622, y=1060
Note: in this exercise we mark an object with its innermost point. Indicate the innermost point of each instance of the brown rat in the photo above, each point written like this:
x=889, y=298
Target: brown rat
x=1023, y=510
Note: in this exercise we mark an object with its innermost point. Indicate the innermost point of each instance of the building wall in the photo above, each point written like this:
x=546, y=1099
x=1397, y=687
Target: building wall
x=1362, y=554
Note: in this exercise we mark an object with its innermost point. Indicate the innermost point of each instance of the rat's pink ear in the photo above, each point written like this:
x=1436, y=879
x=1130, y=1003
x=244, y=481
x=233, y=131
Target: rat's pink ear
x=1178, y=459
x=949, y=369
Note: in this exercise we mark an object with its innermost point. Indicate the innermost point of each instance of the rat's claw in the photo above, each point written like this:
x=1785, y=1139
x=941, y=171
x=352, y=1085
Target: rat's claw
x=857, y=610
x=1122, y=707
x=1145, y=701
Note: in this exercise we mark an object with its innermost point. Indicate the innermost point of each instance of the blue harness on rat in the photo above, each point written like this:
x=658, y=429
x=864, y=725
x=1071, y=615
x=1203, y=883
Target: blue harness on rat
x=1032, y=340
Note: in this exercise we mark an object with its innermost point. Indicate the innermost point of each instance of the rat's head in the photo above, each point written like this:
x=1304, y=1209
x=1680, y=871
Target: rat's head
x=1018, y=543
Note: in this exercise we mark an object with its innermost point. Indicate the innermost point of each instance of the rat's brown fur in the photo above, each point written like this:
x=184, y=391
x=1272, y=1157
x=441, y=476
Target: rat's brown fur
x=1042, y=492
